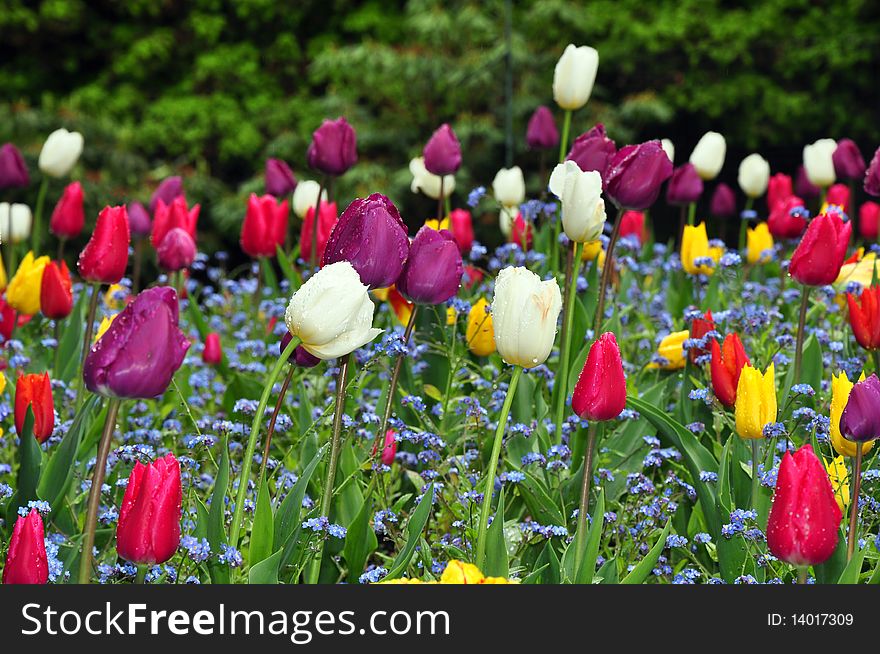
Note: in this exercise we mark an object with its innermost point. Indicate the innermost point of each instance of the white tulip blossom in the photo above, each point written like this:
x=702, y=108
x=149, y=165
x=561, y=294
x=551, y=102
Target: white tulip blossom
x=819, y=163
x=574, y=76
x=427, y=182
x=583, y=209
x=60, y=152
x=708, y=155
x=754, y=175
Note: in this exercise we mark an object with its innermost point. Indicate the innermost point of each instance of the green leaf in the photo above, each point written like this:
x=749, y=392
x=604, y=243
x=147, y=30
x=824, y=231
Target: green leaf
x=287, y=519
x=269, y=273
x=588, y=564
x=70, y=344
x=266, y=571
x=287, y=270
x=30, y=459
x=414, y=527
x=263, y=530
x=646, y=565
x=853, y=569
x=216, y=534
x=538, y=501
x=360, y=542
x=496, y=549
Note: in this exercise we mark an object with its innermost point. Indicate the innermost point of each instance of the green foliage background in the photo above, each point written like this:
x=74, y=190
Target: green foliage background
x=210, y=88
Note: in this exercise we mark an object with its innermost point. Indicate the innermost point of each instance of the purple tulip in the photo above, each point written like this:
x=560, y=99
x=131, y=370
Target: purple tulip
x=280, y=181
x=803, y=187
x=141, y=350
x=685, y=186
x=176, y=251
x=635, y=174
x=333, y=149
x=723, y=203
x=370, y=235
x=168, y=189
x=13, y=171
x=848, y=161
x=541, y=132
x=432, y=273
x=139, y=221
x=872, y=176
x=442, y=152
x=860, y=420
x=301, y=357
x=593, y=150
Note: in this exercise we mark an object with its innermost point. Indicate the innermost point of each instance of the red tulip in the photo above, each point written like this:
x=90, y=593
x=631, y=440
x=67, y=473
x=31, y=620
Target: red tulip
x=105, y=256
x=462, y=228
x=633, y=224
x=787, y=218
x=779, y=189
x=521, y=232
x=864, y=317
x=600, y=392
x=699, y=328
x=820, y=254
x=727, y=363
x=327, y=218
x=68, y=218
x=869, y=220
x=471, y=277
x=213, y=352
x=149, y=518
x=804, y=517
x=177, y=251
x=264, y=227
x=9, y=321
x=26, y=560
x=168, y=216
x=389, y=450
x=56, y=293
x=35, y=391
x=838, y=194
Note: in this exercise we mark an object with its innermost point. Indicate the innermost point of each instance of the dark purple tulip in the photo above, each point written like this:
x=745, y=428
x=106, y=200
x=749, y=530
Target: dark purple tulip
x=685, y=186
x=141, y=350
x=442, y=152
x=541, y=132
x=13, y=172
x=723, y=203
x=803, y=187
x=872, y=176
x=139, y=221
x=176, y=251
x=168, y=189
x=370, y=235
x=300, y=357
x=635, y=174
x=280, y=181
x=860, y=420
x=432, y=273
x=848, y=161
x=333, y=149
x=593, y=150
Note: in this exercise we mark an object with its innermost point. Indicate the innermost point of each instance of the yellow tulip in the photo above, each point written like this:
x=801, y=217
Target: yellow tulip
x=2, y=383
x=104, y=326
x=671, y=349
x=459, y=572
x=593, y=252
x=695, y=246
x=3, y=279
x=861, y=272
x=840, y=390
x=451, y=315
x=480, y=332
x=838, y=475
x=759, y=242
x=23, y=293
x=755, y=401
x=436, y=225
x=114, y=298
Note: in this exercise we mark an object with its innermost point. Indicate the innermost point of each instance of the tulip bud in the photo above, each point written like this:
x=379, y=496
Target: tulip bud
x=60, y=152
x=669, y=148
x=442, y=153
x=574, y=76
x=727, y=363
x=480, y=331
x=56, y=291
x=670, y=351
x=524, y=313
x=264, y=227
x=818, y=257
x=35, y=392
x=818, y=162
x=755, y=401
x=13, y=171
x=333, y=149
x=838, y=195
x=708, y=155
x=841, y=387
x=168, y=191
x=462, y=228
x=583, y=209
x=428, y=183
x=213, y=352
x=305, y=197
x=509, y=187
x=632, y=225
x=803, y=186
x=327, y=218
x=141, y=350
x=389, y=449
x=872, y=176
x=847, y=160
x=177, y=250
x=26, y=559
x=869, y=220
x=372, y=236
x=149, y=517
x=723, y=203
x=593, y=150
x=541, y=132
x=68, y=218
x=105, y=256
x=522, y=232
x=168, y=216
x=779, y=189
x=787, y=218
x=280, y=181
x=600, y=391
x=433, y=270
x=139, y=221
x=864, y=317
x=860, y=421
x=697, y=257
x=804, y=520
x=699, y=328
x=685, y=186
x=754, y=175
x=635, y=174
x=23, y=292
x=15, y=222
x=759, y=244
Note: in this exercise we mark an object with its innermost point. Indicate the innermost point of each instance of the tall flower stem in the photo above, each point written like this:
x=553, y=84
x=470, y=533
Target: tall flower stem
x=566, y=130
x=572, y=269
x=238, y=515
x=85, y=561
x=692, y=213
x=802, y=321
x=606, y=274
x=563, y=149
x=87, y=340
x=314, y=257
x=744, y=225
x=854, y=504
x=440, y=201
x=802, y=574
x=136, y=266
x=493, y=467
x=756, y=482
x=584, y=509
x=875, y=357
x=37, y=231
x=274, y=419
x=330, y=477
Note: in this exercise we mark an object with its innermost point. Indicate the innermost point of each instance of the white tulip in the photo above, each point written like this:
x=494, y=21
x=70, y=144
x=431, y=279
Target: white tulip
x=574, y=76
x=505, y=220
x=427, y=182
x=669, y=148
x=332, y=313
x=583, y=209
x=754, y=174
x=60, y=152
x=15, y=222
x=305, y=197
x=818, y=162
x=708, y=155
x=509, y=187
x=524, y=314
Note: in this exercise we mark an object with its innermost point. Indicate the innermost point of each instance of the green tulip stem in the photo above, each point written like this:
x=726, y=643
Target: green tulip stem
x=493, y=467
x=37, y=230
x=87, y=340
x=246, y=462
x=142, y=570
x=875, y=357
x=799, y=345
x=744, y=228
x=692, y=213
x=854, y=504
x=756, y=480
x=802, y=574
x=606, y=274
x=85, y=561
x=273, y=420
x=315, y=221
x=566, y=129
x=440, y=201
x=584, y=509
x=572, y=269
